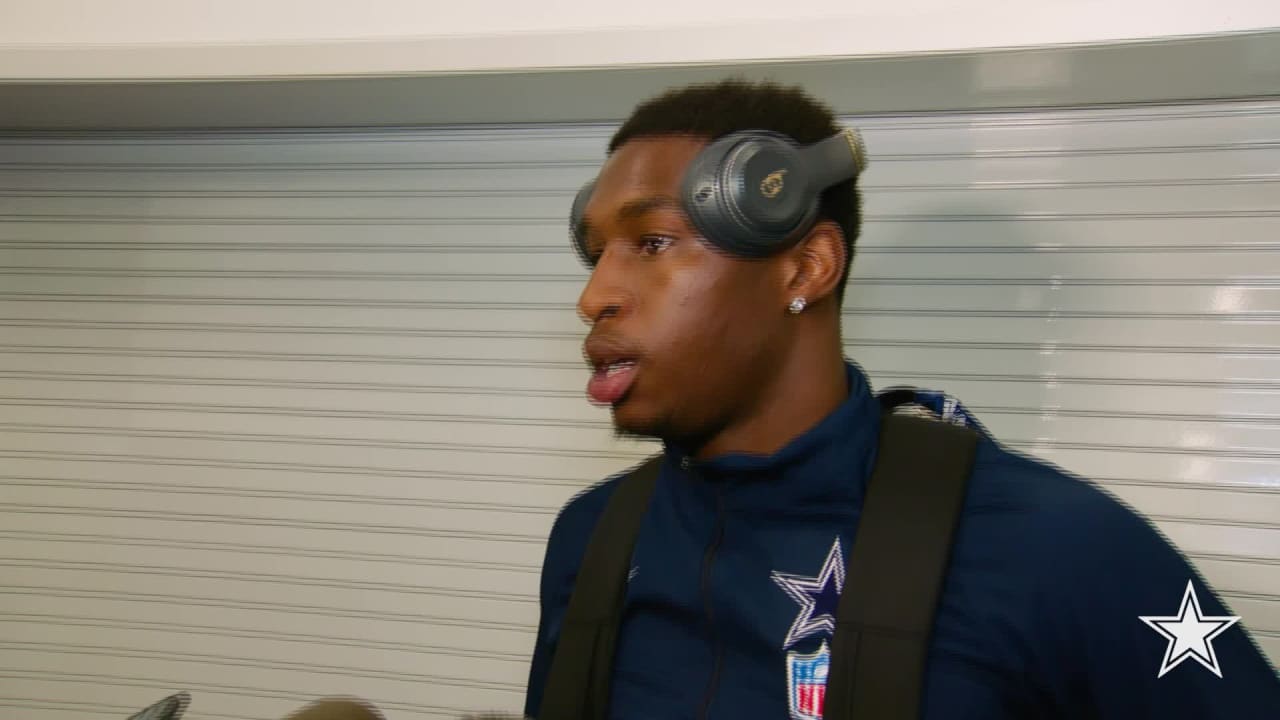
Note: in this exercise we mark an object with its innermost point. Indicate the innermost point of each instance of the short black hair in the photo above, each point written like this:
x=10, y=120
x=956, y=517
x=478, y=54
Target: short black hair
x=713, y=110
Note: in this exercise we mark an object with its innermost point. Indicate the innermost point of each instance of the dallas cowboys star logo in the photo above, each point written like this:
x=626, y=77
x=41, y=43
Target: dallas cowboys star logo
x=819, y=597
x=1190, y=634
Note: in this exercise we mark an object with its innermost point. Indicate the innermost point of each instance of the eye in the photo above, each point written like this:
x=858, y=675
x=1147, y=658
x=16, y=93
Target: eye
x=654, y=244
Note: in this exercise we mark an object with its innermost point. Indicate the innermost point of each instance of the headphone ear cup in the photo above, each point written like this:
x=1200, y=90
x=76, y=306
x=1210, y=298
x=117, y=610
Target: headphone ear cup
x=576, y=212
x=748, y=193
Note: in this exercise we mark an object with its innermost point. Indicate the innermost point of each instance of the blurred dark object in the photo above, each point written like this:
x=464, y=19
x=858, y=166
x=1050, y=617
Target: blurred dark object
x=170, y=708
x=344, y=708
x=332, y=708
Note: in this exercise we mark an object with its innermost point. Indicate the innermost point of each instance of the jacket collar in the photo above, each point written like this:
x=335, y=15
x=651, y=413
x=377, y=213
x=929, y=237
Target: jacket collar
x=830, y=460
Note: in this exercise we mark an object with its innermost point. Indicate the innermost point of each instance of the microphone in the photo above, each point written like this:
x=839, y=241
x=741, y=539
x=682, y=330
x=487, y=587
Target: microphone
x=170, y=708
x=330, y=708
x=356, y=709
x=338, y=708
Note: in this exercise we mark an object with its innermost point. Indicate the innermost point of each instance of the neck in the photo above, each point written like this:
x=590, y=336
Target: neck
x=810, y=384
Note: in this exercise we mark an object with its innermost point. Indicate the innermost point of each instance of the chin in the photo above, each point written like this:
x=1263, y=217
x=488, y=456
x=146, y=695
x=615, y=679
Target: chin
x=632, y=419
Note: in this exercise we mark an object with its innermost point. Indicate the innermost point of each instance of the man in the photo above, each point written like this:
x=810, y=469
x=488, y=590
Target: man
x=769, y=435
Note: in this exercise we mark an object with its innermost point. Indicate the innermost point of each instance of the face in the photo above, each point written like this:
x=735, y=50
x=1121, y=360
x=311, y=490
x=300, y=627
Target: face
x=682, y=334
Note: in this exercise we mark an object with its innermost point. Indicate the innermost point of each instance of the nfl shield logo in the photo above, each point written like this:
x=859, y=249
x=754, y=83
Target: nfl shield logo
x=807, y=682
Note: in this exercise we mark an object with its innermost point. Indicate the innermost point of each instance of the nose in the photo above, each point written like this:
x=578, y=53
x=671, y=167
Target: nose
x=605, y=294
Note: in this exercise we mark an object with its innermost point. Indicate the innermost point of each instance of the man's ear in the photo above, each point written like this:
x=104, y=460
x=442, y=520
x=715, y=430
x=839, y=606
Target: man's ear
x=815, y=264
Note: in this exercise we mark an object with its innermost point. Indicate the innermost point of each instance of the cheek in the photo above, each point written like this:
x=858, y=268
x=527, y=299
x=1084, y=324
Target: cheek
x=707, y=324
x=697, y=304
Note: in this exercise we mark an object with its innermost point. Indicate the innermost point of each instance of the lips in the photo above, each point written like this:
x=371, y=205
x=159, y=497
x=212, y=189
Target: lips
x=614, y=364
x=608, y=385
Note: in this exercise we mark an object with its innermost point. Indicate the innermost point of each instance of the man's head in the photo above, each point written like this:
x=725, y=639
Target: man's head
x=708, y=333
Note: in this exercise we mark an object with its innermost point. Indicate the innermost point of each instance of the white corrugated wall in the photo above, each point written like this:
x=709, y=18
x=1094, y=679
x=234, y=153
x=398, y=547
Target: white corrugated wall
x=287, y=414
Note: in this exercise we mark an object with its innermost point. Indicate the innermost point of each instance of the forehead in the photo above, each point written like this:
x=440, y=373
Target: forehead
x=644, y=166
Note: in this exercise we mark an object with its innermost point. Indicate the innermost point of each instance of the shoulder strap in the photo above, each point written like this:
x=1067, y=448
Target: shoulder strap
x=896, y=568
x=578, y=681
x=885, y=616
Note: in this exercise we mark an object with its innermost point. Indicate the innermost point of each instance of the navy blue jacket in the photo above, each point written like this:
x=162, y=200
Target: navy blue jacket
x=739, y=564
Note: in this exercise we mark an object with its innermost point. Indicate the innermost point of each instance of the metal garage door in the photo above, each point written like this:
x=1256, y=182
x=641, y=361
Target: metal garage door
x=287, y=414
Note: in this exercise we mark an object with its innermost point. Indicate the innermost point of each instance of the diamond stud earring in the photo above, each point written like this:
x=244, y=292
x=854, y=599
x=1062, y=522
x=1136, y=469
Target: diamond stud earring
x=797, y=305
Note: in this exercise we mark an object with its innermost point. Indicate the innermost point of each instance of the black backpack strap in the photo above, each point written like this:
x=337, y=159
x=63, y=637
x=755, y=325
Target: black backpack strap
x=578, y=681
x=896, y=569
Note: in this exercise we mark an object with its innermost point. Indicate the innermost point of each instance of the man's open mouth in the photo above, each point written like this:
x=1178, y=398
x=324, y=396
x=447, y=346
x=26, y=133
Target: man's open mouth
x=611, y=380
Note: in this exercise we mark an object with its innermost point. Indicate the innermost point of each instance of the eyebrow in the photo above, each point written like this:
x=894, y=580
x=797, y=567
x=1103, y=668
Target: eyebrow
x=633, y=209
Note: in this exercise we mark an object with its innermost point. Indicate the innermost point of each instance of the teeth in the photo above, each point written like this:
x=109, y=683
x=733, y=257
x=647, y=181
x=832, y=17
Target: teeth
x=615, y=368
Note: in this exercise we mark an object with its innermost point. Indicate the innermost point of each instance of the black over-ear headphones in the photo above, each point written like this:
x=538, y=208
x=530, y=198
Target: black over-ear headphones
x=752, y=193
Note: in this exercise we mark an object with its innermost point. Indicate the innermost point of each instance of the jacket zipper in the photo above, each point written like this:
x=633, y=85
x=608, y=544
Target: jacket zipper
x=707, y=560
